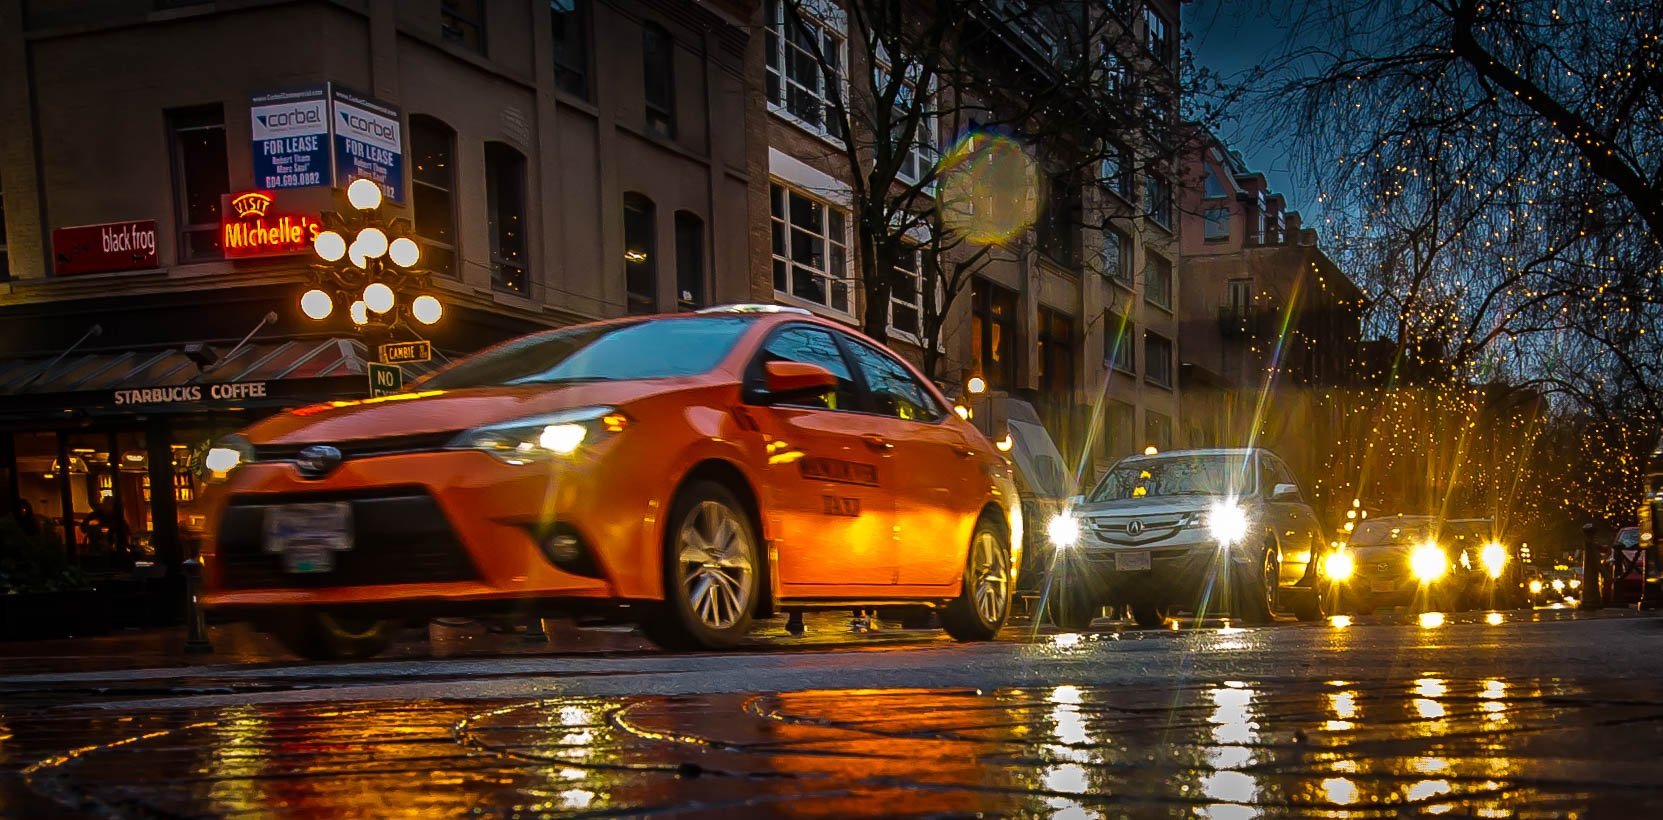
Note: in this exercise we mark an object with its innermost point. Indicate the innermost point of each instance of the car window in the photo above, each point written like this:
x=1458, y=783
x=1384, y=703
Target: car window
x=1281, y=473
x=1217, y=475
x=894, y=391
x=811, y=346
x=652, y=349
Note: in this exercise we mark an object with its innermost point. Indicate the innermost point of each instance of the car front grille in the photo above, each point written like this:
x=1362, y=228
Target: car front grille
x=400, y=536
x=1118, y=529
x=361, y=448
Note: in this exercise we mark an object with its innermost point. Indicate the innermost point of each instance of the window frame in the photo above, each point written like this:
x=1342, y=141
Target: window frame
x=1151, y=259
x=1057, y=236
x=833, y=24
x=638, y=303
x=1150, y=375
x=917, y=253
x=756, y=388
x=1120, y=182
x=418, y=124
x=664, y=126
x=1047, y=343
x=981, y=309
x=688, y=223
x=1158, y=36
x=1122, y=242
x=924, y=151
x=842, y=242
x=1209, y=221
x=1157, y=194
x=494, y=151
x=577, y=19
x=446, y=11
x=179, y=121
x=1116, y=324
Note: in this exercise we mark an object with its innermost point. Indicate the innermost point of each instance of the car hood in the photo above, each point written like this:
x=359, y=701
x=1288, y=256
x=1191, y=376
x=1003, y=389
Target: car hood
x=1381, y=552
x=1166, y=505
x=421, y=412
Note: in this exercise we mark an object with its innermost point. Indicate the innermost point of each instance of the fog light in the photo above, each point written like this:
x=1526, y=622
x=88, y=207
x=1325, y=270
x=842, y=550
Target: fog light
x=562, y=548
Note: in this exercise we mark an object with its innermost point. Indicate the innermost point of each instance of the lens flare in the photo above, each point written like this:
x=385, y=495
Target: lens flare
x=990, y=191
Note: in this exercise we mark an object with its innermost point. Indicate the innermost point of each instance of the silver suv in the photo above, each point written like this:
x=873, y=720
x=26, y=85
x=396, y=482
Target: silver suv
x=1199, y=530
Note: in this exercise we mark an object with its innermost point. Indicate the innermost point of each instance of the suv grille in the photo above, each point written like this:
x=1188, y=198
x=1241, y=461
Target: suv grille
x=1118, y=529
x=399, y=537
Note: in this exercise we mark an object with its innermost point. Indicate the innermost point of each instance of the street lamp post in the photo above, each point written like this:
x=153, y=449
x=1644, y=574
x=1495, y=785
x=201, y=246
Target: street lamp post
x=375, y=274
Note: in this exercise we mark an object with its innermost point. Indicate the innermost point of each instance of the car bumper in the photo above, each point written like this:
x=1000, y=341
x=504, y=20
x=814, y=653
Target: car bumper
x=1394, y=590
x=455, y=526
x=1179, y=575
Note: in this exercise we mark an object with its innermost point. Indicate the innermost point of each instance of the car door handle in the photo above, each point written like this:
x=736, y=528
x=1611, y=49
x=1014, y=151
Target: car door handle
x=877, y=442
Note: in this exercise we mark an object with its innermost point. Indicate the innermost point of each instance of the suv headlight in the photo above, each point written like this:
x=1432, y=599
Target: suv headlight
x=1227, y=522
x=542, y=438
x=1494, y=558
x=226, y=455
x=1428, y=562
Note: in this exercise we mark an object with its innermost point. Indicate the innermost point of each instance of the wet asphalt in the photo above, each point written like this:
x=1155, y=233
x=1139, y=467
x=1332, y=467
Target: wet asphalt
x=1546, y=713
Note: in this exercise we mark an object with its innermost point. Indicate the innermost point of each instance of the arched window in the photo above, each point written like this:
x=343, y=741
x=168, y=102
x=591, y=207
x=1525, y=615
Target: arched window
x=505, y=218
x=640, y=257
x=689, y=261
x=433, y=191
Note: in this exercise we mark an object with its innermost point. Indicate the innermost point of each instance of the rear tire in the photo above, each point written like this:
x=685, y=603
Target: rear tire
x=711, y=578
x=984, y=602
x=326, y=636
x=1150, y=616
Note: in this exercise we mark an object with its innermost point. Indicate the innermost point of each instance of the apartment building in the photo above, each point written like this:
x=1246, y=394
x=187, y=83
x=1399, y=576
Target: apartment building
x=561, y=160
x=1077, y=311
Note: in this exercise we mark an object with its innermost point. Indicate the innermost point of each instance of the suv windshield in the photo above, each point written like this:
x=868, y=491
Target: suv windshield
x=1177, y=475
x=652, y=349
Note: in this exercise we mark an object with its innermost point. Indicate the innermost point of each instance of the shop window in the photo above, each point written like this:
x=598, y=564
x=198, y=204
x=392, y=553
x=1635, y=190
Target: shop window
x=689, y=260
x=640, y=257
x=463, y=22
x=570, y=20
x=433, y=190
x=201, y=176
x=993, y=333
x=505, y=218
x=658, y=68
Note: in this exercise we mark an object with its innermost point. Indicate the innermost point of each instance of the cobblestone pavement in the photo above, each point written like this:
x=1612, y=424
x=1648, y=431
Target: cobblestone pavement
x=1522, y=738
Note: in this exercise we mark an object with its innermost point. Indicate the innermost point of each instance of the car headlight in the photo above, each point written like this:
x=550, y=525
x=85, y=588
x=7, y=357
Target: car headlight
x=1576, y=583
x=542, y=438
x=1339, y=565
x=226, y=455
x=1227, y=522
x=1558, y=585
x=1535, y=587
x=1063, y=530
x=1428, y=562
x=1494, y=558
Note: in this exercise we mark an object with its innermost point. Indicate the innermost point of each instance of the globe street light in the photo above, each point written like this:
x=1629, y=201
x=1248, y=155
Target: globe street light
x=369, y=261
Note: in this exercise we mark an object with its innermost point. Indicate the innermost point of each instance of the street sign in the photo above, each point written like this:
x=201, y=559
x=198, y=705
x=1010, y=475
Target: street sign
x=385, y=379
x=406, y=352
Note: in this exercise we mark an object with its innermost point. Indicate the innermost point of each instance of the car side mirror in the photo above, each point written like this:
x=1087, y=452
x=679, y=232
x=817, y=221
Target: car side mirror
x=1285, y=492
x=1076, y=501
x=795, y=380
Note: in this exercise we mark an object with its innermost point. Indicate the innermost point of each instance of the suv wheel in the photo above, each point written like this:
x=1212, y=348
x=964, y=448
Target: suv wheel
x=1071, y=608
x=1257, y=593
x=1150, y=616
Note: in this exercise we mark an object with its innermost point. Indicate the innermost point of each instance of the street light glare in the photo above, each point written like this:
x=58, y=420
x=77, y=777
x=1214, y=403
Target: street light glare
x=356, y=255
x=316, y=304
x=359, y=312
x=372, y=241
x=426, y=309
x=404, y=252
x=364, y=194
x=378, y=297
x=977, y=385
x=330, y=246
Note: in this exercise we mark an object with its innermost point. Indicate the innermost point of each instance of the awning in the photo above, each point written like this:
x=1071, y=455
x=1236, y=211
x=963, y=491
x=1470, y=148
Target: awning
x=189, y=378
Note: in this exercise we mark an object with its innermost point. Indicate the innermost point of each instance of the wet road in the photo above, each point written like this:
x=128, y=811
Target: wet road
x=1537, y=714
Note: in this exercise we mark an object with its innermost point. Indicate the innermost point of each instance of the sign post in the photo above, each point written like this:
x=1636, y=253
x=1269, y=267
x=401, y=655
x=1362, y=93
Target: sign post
x=407, y=352
x=385, y=379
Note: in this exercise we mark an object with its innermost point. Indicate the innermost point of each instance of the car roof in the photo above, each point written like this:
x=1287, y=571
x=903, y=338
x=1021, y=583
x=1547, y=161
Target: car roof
x=1203, y=453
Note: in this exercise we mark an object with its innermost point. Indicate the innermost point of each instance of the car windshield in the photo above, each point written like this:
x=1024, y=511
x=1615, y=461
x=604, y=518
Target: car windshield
x=1628, y=538
x=1174, y=476
x=652, y=349
x=1378, y=533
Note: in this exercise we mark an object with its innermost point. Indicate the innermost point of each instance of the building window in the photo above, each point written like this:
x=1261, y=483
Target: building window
x=906, y=296
x=433, y=192
x=1157, y=429
x=1157, y=36
x=993, y=333
x=1157, y=359
x=5, y=271
x=1157, y=280
x=1157, y=197
x=1218, y=223
x=1115, y=170
x=794, y=50
x=505, y=218
x=1119, y=343
x=571, y=46
x=689, y=261
x=201, y=177
x=463, y=22
x=1211, y=186
x=658, y=68
x=919, y=147
x=1157, y=111
x=1238, y=295
x=1058, y=234
x=640, y=256
x=1117, y=256
x=1056, y=357
x=811, y=258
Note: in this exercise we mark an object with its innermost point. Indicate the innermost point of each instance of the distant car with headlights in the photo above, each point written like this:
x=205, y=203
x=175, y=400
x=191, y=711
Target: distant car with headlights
x=1484, y=566
x=686, y=472
x=1546, y=587
x=1428, y=563
x=1189, y=530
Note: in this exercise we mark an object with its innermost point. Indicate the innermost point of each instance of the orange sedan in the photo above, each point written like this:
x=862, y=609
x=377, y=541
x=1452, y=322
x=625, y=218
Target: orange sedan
x=688, y=473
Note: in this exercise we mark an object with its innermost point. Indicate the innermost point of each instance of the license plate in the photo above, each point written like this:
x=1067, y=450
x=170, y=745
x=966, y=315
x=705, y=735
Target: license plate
x=309, y=535
x=1382, y=586
x=1131, y=561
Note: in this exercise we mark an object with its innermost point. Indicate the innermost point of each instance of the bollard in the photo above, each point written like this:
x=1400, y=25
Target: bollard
x=1592, y=596
x=196, y=624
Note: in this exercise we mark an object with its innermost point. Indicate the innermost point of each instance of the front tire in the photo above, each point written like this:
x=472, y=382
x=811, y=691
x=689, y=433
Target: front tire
x=326, y=636
x=985, y=600
x=711, y=582
x=1070, y=608
x=1309, y=607
x=1256, y=598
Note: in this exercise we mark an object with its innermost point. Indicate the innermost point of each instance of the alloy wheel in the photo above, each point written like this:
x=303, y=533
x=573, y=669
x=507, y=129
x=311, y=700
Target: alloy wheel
x=1270, y=573
x=713, y=553
x=990, y=571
